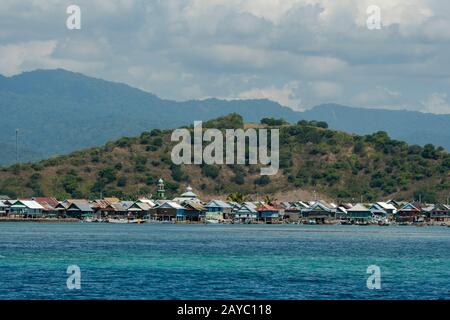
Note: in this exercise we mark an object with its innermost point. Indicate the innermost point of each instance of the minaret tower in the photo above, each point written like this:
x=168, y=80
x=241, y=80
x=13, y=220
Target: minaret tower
x=161, y=192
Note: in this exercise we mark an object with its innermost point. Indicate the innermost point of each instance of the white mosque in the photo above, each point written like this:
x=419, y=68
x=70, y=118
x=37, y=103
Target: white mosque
x=188, y=195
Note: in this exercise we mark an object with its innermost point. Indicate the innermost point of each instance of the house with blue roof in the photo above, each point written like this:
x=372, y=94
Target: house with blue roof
x=218, y=206
x=167, y=211
x=245, y=213
x=409, y=213
x=320, y=212
x=218, y=209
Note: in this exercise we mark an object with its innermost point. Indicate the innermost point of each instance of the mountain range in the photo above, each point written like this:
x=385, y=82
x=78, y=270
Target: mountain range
x=58, y=111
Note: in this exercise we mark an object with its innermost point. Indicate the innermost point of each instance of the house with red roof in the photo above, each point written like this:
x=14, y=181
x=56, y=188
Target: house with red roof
x=268, y=213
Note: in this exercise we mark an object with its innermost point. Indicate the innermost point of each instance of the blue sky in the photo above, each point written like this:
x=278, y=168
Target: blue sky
x=298, y=52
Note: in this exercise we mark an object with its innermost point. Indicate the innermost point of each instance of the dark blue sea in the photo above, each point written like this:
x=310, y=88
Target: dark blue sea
x=222, y=261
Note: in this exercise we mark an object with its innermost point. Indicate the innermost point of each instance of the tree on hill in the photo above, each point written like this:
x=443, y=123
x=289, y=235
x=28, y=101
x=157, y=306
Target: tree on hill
x=272, y=122
x=236, y=197
x=231, y=121
x=313, y=123
x=270, y=200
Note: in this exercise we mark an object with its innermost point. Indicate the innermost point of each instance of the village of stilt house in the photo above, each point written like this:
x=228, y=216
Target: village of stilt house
x=188, y=208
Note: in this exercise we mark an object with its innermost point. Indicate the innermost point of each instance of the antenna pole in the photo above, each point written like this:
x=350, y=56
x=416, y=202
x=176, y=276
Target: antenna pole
x=17, y=145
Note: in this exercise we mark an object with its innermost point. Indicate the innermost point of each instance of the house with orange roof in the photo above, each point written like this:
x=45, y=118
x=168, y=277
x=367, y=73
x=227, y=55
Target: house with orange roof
x=267, y=213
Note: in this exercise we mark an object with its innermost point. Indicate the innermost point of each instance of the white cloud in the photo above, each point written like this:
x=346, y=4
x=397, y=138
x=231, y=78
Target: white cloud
x=19, y=57
x=27, y=56
x=379, y=97
x=184, y=49
x=326, y=89
x=437, y=103
x=404, y=12
x=287, y=95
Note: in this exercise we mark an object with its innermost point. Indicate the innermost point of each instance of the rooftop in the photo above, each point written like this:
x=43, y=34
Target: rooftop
x=188, y=193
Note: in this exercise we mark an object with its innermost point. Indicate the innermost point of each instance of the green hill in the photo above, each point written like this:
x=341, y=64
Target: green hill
x=335, y=164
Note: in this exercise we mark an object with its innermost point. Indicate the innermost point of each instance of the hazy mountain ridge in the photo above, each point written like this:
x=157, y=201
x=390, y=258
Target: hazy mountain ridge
x=58, y=112
x=8, y=153
x=411, y=126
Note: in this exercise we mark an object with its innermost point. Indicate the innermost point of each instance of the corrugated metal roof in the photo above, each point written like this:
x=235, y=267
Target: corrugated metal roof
x=49, y=204
x=320, y=204
x=245, y=208
x=250, y=204
x=266, y=207
x=111, y=200
x=119, y=207
x=194, y=205
x=139, y=206
x=358, y=207
x=29, y=204
x=147, y=201
x=170, y=204
x=218, y=204
x=409, y=207
x=84, y=207
x=386, y=206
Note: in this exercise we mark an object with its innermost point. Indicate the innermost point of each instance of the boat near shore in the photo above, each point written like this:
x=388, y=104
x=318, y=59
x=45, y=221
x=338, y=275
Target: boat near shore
x=126, y=221
x=94, y=220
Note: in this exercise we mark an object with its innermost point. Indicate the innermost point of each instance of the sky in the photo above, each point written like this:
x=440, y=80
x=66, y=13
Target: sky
x=300, y=53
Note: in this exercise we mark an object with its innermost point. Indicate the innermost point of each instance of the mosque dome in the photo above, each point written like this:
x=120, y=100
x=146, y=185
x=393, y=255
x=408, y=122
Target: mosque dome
x=189, y=193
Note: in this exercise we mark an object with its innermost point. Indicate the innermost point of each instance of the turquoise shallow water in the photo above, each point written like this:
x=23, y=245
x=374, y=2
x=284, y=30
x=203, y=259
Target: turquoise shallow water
x=222, y=261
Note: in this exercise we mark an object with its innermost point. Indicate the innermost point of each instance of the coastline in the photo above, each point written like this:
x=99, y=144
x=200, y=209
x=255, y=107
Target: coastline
x=41, y=220
x=74, y=220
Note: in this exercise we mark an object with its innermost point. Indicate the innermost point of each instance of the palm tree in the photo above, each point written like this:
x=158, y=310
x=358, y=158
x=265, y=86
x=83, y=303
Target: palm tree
x=236, y=197
x=269, y=200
